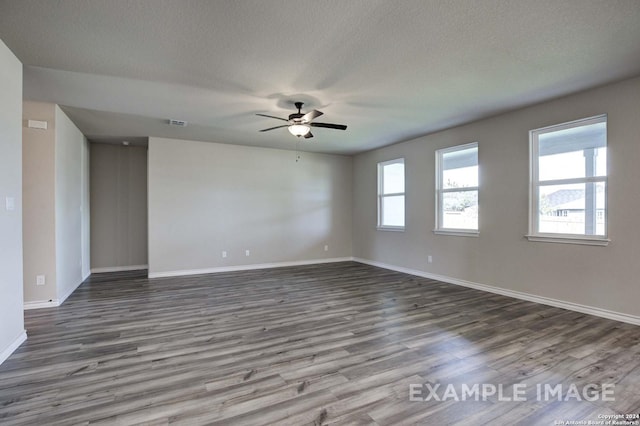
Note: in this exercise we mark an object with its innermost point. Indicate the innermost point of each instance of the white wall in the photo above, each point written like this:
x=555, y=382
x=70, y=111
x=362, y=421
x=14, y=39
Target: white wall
x=118, y=207
x=601, y=277
x=206, y=197
x=12, y=332
x=71, y=205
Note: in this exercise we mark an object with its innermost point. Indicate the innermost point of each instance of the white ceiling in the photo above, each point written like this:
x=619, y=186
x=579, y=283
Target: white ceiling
x=390, y=70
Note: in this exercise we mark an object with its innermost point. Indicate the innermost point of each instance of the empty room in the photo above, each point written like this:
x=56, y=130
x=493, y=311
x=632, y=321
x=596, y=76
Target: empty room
x=297, y=212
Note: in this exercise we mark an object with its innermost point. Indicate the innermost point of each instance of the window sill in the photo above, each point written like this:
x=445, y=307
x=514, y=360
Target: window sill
x=457, y=233
x=391, y=228
x=563, y=239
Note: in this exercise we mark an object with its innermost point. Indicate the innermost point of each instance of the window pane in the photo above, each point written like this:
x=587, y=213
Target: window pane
x=573, y=153
x=393, y=178
x=393, y=211
x=574, y=164
x=460, y=168
x=600, y=191
x=460, y=210
x=460, y=178
x=572, y=209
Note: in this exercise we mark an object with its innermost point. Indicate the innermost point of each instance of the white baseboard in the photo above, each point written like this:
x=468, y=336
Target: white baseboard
x=246, y=267
x=54, y=303
x=591, y=310
x=6, y=353
x=41, y=304
x=118, y=268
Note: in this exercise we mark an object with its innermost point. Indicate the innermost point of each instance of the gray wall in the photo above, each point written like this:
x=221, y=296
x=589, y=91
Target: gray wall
x=118, y=206
x=39, y=202
x=206, y=197
x=11, y=318
x=602, y=277
x=72, y=210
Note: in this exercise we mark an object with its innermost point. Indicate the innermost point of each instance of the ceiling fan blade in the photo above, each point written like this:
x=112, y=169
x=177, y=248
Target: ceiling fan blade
x=271, y=128
x=308, y=135
x=311, y=115
x=271, y=116
x=329, y=126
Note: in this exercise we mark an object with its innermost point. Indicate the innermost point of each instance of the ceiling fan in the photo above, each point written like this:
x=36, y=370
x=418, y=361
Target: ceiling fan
x=300, y=124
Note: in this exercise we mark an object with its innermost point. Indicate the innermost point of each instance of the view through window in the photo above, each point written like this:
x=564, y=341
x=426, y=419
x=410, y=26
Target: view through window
x=391, y=194
x=457, y=188
x=569, y=179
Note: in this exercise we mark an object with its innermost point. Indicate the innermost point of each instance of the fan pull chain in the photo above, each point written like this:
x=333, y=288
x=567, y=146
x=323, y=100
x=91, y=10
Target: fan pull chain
x=297, y=151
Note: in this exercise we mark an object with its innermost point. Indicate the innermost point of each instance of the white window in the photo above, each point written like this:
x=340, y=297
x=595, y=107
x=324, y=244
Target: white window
x=457, y=190
x=568, y=195
x=391, y=194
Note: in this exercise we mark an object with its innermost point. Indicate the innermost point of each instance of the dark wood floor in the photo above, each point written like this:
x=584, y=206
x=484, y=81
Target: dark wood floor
x=324, y=344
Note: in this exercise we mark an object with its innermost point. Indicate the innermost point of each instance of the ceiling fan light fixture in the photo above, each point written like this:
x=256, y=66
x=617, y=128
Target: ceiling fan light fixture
x=299, y=129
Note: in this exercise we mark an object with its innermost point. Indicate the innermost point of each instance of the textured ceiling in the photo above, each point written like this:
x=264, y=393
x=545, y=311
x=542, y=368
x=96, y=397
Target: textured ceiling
x=390, y=70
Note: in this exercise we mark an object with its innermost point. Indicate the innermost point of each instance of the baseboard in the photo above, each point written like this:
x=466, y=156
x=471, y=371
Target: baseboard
x=591, y=310
x=54, y=303
x=118, y=268
x=246, y=267
x=6, y=353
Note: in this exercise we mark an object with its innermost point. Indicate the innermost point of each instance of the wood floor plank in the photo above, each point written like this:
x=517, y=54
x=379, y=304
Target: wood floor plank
x=333, y=344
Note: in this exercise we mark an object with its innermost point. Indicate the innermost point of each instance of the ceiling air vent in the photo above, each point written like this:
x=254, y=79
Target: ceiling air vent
x=179, y=123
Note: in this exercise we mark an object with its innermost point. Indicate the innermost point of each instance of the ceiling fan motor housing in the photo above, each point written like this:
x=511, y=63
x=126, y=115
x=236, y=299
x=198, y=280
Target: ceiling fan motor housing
x=296, y=117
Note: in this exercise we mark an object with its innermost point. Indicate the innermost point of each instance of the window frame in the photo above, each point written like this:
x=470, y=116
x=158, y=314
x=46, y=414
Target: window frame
x=440, y=191
x=535, y=184
x=382, y=195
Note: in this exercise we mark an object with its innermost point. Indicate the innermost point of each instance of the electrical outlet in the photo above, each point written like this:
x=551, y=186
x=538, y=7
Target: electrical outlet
x=224, y=254
x=430, y=259
x=326, y=248
x=40, y=280
x=247, y=253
